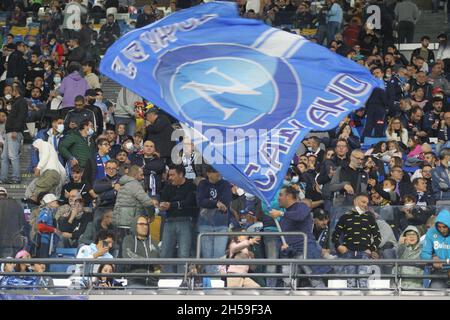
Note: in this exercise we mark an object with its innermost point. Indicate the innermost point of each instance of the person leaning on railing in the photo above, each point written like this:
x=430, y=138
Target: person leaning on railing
x=357, y=236
x=437, y=247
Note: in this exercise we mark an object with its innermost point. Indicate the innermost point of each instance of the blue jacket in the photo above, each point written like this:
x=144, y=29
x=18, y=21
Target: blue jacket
x=297, y=218
x=46, y=217
x=208, y=194
x=435, y=243
x=441, y=183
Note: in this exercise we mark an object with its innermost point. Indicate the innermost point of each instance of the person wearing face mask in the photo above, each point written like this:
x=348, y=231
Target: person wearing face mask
x=52, y=136
x=78, y=146
x=56, y=49
x=349, y=180
x=357, y=236
x=46, y=233
x=90, y=105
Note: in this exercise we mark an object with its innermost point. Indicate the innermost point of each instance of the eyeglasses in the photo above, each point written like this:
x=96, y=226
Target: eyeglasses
x=105, y=144
x=142, y=224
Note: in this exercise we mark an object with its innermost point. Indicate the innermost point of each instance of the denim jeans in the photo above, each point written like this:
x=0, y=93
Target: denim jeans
x=272, y=251
x=177, y=236
x=213, y=246
x=315, y=282
x=11, y=151
x=333, y=27
x=129, y=122
x=358, y=269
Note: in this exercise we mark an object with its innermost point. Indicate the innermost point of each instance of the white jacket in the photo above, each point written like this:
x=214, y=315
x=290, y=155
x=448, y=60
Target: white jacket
x=403, y=138
x=48, y=158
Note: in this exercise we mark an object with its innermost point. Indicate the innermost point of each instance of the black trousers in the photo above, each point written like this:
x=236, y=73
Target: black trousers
x=405, y=32
x=375, y=123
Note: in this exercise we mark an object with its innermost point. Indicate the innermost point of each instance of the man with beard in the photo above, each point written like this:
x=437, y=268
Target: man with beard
x=350, y=179
x=90, y=105
x=431, y=120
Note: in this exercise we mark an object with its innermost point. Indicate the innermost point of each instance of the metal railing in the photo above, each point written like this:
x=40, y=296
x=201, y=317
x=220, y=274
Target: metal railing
x=189, y=277
x=255, y=234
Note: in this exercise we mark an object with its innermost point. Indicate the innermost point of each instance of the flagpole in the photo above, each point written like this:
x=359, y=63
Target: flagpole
x=279, y=229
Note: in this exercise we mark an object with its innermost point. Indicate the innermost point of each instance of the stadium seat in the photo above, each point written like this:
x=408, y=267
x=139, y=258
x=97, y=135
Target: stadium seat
x=63, y=253
x=370, y=141
x=410, y=169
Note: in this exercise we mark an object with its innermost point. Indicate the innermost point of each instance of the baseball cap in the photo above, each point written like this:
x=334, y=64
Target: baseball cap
x=90, y=93
x=50, y=197
x=21, y=254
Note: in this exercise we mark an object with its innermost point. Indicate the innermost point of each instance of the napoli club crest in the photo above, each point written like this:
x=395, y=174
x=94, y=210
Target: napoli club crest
x=235, y=88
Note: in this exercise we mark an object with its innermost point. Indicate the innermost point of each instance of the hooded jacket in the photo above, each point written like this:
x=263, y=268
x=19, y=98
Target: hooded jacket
x=134, y=248
x=48, y=159
x=410, y=252
x=131, y=201
x=435, y=243
x=73, y=85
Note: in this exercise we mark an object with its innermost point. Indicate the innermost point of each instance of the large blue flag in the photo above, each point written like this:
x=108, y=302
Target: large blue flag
x=248, y=93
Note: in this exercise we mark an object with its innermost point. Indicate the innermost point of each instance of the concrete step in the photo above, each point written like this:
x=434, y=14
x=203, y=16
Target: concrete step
x=430, y=24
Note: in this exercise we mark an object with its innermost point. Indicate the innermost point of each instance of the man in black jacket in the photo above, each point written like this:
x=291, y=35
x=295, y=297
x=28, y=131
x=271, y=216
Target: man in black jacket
x=77, y=53
x=153, y=167
x=14, y=127
x=107, y=187
x=146, y=17
x=17, y=65
x=160, y=132
x=178, y=199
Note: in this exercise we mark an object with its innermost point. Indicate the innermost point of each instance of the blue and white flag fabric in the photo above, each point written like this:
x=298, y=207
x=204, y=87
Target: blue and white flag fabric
x=248, y=92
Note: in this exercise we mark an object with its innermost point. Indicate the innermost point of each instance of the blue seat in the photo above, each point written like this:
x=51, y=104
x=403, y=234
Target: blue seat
x=410, y=169
x=63, y=253
x=370, y=141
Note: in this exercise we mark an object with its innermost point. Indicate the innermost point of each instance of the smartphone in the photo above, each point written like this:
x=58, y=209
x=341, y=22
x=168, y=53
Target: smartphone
x=105, y=244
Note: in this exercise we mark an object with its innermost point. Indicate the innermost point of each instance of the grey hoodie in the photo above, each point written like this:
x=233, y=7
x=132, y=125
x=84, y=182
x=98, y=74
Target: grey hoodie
x=131, y=201
x=134, y=248
x=408, y=252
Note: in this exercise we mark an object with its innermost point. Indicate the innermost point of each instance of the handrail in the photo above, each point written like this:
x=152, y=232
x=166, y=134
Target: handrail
x=263, y=233
x=224, y=261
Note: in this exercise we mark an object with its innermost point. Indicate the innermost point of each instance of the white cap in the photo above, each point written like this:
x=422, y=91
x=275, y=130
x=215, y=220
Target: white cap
x=50, y=197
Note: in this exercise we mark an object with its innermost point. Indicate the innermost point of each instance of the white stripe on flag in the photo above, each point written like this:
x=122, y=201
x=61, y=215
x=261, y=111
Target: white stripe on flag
x=279, y=43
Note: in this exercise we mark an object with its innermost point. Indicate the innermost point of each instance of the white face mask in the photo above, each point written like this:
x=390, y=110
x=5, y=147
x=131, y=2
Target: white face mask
x=295, y=179
x=60, y=128
x=56, y=80
x=8, y=97
x=359, y=210
x=387, y=190
x=129, y=145
x=90, y=132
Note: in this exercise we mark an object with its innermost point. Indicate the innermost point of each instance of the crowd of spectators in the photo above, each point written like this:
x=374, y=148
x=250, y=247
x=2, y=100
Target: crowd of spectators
x=105, y=173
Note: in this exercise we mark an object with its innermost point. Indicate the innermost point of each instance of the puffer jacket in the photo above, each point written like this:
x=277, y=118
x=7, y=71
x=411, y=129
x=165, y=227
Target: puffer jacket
x=410, y=252
x=131, y=201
